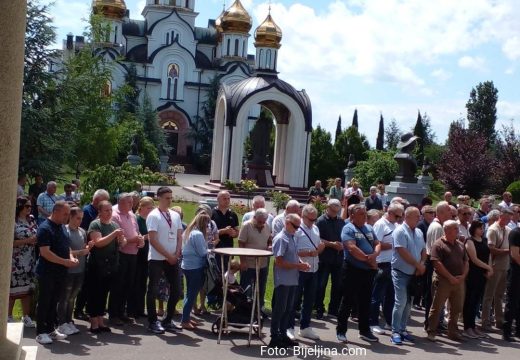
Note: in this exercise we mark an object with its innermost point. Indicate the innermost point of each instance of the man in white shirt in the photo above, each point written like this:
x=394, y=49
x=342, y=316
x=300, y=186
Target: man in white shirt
x=258, y=202
x=309, y=247
x=507, y=200
x=292, y=207
x=515, y=217
x=165, y=236
x=383, y=291
x=465, y=215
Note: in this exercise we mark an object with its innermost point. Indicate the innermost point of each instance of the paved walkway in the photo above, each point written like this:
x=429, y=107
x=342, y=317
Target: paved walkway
x=133, y=342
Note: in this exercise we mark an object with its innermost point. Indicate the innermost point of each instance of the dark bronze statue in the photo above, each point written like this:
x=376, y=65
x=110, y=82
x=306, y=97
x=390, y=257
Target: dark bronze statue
x=260, y=136
x=134, y=147
x=405, y=159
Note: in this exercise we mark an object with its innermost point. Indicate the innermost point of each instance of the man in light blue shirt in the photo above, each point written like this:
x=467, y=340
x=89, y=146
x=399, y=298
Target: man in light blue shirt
x=408, y=257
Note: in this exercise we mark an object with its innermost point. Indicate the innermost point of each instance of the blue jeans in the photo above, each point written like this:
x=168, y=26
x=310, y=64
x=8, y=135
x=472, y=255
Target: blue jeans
x=283, y=303
x=194, y=282
x=248, y=277
x=382, y=293
x=403, y=301
x=307, y=285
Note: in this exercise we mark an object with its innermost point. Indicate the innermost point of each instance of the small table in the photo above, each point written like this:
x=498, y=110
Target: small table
x=257, y=254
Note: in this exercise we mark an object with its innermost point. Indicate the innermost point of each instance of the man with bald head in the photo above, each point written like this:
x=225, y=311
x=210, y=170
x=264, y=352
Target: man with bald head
x=227, y=223
x=292, y=207
x=46, y=201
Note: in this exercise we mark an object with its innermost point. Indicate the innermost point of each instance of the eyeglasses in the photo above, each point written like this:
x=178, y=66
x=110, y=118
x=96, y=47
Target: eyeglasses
x=313, y=220
x=295, y=226
x=398, y=216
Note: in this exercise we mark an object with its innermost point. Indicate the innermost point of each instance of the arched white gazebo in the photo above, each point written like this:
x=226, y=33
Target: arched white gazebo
x=293, y=115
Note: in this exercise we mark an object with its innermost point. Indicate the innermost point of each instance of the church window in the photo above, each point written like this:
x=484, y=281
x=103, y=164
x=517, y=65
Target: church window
x=244, y=49
x=236, y=47
x=260, y=58
x=188, y=4
x=115, y=35
x=275, y=59
x=167, y=38
x=172, y=36
x=228, y=46
x=268, y=59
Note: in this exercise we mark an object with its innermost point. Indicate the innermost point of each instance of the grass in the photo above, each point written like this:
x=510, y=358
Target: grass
x=188, y=209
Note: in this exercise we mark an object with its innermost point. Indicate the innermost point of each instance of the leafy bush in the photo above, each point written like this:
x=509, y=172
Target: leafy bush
x=437, y=190
x=118, y=179
x=379, y=167
x=514, y=189
x=278, y=198
x=230, y=185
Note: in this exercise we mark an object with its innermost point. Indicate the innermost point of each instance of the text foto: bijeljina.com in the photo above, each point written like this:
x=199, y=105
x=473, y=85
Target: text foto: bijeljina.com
x=315, y=351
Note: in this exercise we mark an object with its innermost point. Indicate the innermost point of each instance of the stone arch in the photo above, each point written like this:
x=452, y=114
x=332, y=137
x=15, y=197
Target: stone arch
x=176, y=128
x=218, y=164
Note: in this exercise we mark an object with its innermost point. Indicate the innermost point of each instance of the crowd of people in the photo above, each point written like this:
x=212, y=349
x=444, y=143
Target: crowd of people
x=383, y=257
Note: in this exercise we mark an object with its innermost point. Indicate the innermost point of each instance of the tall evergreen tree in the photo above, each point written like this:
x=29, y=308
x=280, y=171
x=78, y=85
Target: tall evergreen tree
x=350, y=142
x=338, y=130
x=355, y=120
x=482, y=110
x=131, y=97
x=147, y=115
x=419, y=131
x=392, y=135
x=380, y=142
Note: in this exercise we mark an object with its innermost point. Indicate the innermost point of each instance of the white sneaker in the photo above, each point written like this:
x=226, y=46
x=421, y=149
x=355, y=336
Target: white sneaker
x=57, y=335
x=308, y=333
x=73, y=328
x=65, y=329
x=27, y=322
x=43, y=339
x=377, y=330
x=290, y=334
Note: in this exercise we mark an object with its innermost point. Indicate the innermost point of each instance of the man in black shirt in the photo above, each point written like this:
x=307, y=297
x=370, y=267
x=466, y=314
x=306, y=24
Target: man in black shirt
x=330, y=226
x=227, y=223
x=34, y=191
x=512, y=308
x=55, y=258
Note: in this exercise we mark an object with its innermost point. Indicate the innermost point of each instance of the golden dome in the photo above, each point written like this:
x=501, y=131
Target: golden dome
x=218, y=22
x=114, y=9
x=268, y=34
x=236, y=19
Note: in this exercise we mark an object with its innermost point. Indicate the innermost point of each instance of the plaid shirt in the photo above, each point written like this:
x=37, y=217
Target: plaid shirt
x=47, y=202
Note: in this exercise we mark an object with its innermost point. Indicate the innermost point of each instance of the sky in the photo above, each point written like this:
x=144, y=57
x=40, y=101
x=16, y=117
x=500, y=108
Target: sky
x=390, y=57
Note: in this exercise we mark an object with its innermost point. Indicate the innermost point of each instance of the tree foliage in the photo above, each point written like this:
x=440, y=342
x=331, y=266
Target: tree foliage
x=420, y=132
x=338, y=129
x=392, y=135
x=379, y=166
x=322, y=164
x=147, y=116
x=355, y=122
x=507, y=152
x=482, y=110
x=466, y=164
x=349, y=142
x=380, y=142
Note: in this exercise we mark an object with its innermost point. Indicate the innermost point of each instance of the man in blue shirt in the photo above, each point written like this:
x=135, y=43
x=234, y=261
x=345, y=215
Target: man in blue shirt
x=286, y=267
x=361, y=249
x=408, y=257
x=55, y=258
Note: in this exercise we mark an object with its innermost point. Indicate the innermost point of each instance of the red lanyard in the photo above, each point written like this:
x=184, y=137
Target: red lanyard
x=168, y=219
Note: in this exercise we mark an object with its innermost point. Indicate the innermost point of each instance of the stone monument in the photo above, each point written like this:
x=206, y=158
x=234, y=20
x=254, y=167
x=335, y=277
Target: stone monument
x=349, y=171
x=405, y=184
x=163, y=159
x=259, y=168
x=133, y=158
x=426, y=179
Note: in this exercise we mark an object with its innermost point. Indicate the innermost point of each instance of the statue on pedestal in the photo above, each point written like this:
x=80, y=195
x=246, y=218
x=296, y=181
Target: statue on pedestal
x=405, y=159
x=260, y=136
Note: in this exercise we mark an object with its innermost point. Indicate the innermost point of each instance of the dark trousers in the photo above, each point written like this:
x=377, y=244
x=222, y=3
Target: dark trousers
x=81, y=300
x=428, y=291
x=283, y=302
x=382, y=293
x=307, y=285
x=123, y=285
x=50, y=286
x=324, y=271
x=475, y=285
x=98, y=288
x=512, y=308
x=136, y=302
x=156, y=268
x=73, y=284
x=248, y=278
x=357, y=289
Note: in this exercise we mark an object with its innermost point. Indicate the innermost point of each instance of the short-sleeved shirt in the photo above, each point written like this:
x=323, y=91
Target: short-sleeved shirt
x=55, y=237
x=109, y=251
x=278, y=224
x=128, y=223
x=90, y=214
x=78, y=239
x=308, y=239
x=314, y=191
x=499, y=238
x=452, y=256
x=411, y=240
x=384, y=231
x=223, y=220
x=166, y=229
x=284, y=245
x=435, y=232
x=330, y=230
x=253, y=238
x=514, y=240
x=46, y=201
x=336, y=193
x=249, y=215
x=365, y=240
x=373, y=203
